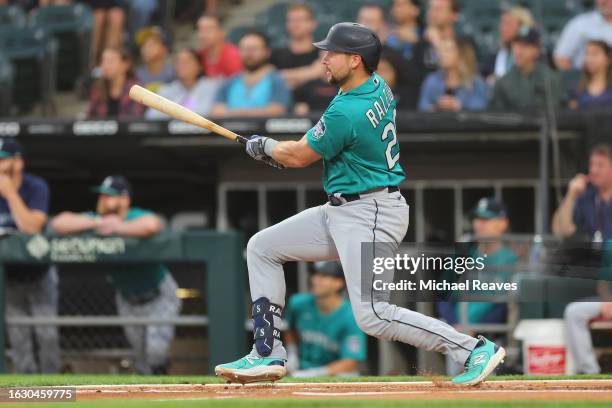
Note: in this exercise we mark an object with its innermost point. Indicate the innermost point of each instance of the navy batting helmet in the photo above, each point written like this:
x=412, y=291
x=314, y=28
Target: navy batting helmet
x=353, y=38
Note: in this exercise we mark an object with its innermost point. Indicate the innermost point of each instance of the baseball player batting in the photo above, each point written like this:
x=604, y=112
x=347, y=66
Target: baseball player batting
x=356, y=138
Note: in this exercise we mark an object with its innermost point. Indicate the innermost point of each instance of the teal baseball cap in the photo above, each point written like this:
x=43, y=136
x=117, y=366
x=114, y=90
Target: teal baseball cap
x=9, y=148
x=114, y=186
x=489, y=208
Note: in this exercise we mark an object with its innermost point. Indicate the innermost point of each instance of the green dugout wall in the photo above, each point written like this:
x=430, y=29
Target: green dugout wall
x=222, y=253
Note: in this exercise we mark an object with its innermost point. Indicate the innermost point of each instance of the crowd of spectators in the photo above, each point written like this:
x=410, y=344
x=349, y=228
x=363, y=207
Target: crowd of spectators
x=426, y=59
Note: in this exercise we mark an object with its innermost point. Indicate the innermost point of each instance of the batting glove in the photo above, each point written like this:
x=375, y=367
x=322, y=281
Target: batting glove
x=258, y=148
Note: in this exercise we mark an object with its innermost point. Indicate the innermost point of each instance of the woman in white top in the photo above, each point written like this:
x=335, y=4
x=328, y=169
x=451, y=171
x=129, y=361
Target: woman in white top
x=190, y=89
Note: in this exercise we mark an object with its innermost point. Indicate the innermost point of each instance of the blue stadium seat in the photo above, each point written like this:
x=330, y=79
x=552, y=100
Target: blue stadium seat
x=12, y=16
x=34, y=51
x=71, y=26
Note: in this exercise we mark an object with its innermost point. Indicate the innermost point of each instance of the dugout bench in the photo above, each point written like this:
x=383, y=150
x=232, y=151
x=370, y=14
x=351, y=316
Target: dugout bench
x=222, y=253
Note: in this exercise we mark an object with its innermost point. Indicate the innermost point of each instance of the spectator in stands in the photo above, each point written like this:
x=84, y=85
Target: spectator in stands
x=156, y=69
x=140, y=14
x=489, y=222
x=110, y=94
x=143, y=290
x=191, y=89
x=372, y=15
x=595, y=87
x=314, y=96
x=456, y=85
x=586, y=209
x=322, y=337
x=442, y=15
x=219, y=58
x=511, y=22
x=108, y=26
x=31, y=290
x=395, y=78
x=29, y=5
x=524, y=86
x=260, y=90
x=298, y=63
x=407, y=31
x=593, y=25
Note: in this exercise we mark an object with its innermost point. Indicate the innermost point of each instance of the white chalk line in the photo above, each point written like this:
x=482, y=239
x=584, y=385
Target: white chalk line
x=323, y=384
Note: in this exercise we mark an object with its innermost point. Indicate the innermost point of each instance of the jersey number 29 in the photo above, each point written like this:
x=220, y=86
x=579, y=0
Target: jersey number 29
x=390, y=128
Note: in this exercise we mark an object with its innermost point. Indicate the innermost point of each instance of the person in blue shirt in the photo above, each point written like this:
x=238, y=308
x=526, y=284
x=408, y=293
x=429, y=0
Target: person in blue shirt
x=323, y=338
x=31, y=290
x=456, y=86
x=586, y=209
x=594, y=90
x=144, y=290
x=260, y=90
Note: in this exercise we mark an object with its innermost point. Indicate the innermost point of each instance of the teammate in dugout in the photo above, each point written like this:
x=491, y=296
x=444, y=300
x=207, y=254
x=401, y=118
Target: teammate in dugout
x=143, y=290
x=356, y=138
x=323, y=338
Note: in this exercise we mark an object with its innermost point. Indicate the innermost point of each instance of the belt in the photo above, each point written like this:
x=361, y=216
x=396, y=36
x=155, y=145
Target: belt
x=336, y=200
x=143, y=298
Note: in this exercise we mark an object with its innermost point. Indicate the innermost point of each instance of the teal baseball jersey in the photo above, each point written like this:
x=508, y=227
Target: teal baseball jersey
x=136, y=279
x=357, y=139
x=324, y=338
x=500, y=264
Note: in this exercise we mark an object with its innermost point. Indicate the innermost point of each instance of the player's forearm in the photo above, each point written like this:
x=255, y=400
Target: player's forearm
x=562, y=225
x=71, y=223
x=140, y=228
x=27, y=221
x=342, y=367
x=292, y=154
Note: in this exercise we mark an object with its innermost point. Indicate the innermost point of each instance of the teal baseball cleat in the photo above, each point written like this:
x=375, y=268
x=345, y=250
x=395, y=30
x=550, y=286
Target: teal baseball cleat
x=252, y=368
x=485, y=358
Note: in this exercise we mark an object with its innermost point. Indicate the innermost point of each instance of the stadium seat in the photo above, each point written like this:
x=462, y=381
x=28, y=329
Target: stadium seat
x=12, y=16
x=34, y=52
x=6, y=85
x=71, y=26
x=236, y=33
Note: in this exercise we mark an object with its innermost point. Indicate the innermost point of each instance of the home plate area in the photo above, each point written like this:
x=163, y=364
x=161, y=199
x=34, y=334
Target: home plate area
x=544, y=390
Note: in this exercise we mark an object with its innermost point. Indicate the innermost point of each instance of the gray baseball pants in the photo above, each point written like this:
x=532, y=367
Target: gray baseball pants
x=337, y=232
x=151, y=344
x=38, y=298
x=580, y=343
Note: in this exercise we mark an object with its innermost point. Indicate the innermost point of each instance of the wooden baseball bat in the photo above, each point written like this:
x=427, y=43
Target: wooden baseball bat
x=176, y=111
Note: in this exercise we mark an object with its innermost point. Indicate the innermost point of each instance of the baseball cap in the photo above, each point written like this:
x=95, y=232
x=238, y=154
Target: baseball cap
x=489, y=208
x=152, y=32
x=114, y=186
x=329, y=268
x=528, y=35
x=9, y=148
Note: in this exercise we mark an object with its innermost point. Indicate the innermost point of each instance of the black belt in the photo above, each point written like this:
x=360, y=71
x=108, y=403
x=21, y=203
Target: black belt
x=142, y=298
x=336, y=201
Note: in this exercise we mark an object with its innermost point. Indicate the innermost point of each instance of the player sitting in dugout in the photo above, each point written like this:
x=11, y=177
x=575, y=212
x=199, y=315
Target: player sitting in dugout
x=144, y=290
x=323, y=338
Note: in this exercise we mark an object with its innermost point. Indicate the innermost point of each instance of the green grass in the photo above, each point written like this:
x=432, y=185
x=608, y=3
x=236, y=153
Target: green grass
x=320, y=403
x=15, y=380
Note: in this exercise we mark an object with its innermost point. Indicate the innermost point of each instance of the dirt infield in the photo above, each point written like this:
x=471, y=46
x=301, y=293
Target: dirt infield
x=543, y=390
